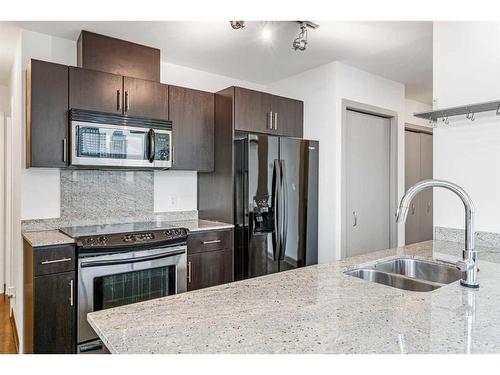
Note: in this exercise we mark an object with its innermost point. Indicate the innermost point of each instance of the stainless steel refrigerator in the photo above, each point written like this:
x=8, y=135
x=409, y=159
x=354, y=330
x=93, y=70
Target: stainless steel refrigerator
x=276, y=204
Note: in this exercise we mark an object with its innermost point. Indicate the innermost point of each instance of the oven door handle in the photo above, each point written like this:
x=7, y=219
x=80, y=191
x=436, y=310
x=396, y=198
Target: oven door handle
x=113, y=262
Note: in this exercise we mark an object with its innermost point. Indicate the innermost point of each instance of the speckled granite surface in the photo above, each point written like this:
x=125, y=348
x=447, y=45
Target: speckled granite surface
x=46, y=238
x=201, y=225
x=316, y=309
x=96, y=197
x=457, y=235
x=55, y=237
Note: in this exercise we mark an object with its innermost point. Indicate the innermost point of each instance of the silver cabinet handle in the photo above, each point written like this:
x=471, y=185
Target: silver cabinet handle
x=270, y=120
x=189, y=272
x=55, y=261
x=71, y=299
x=118, y=102
x=413, y=209
x=428, y=207
x=212, y=241
x=127, y=104
x=354, y=219
x=65, y=150
x=275, y=120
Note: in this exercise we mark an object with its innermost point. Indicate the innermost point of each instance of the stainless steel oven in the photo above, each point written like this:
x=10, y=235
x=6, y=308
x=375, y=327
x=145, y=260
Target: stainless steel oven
x=105, y=140
x=117, y=269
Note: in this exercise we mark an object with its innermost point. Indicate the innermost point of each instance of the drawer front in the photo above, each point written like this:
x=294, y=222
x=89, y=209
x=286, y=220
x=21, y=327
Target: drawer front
x=54, y=259
x=209, y=241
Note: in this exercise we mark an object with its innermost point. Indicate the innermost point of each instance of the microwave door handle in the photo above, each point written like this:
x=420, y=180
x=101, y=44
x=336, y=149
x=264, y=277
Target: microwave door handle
x=113, y=262
x=151, y=145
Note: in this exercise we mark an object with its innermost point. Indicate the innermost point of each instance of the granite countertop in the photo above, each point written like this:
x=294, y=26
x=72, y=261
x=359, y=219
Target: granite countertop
x=55, y=237
x=47, y=238
x=201, y=225
x=316, y=309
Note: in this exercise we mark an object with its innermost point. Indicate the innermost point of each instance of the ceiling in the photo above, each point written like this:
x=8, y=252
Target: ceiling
x=401, y=51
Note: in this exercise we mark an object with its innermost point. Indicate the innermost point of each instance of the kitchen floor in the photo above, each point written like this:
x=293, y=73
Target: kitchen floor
x=7, y=345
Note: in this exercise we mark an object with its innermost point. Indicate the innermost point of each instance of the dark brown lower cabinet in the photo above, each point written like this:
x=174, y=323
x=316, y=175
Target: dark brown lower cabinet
x=55, y=312
x=209, y=269
x=210, y=258
x=49, y=299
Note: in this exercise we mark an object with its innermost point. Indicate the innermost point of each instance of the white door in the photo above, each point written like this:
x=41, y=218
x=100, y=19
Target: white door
x=368, y=213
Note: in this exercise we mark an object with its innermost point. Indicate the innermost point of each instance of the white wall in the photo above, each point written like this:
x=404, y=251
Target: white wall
x=322, y=90
x=413, y=106
x=4, y=110
x=467, y=70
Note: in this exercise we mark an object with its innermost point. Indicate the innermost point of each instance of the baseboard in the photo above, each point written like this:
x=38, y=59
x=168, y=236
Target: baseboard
x=14, y=331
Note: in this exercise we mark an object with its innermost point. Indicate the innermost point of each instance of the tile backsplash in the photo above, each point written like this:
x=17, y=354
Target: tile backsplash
x=101, y=197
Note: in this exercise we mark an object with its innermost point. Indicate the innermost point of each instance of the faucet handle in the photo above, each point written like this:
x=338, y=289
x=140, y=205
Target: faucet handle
x=465, y=265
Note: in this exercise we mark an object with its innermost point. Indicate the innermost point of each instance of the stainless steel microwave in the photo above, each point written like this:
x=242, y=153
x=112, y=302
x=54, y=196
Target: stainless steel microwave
x=107, y=140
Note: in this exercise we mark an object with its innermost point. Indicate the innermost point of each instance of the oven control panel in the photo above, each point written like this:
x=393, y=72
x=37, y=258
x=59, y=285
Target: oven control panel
x=139, y=238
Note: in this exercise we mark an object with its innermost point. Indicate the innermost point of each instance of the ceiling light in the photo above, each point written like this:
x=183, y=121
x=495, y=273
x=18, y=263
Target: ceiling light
x=237, y=24
x=300, y=43
x=266, y=34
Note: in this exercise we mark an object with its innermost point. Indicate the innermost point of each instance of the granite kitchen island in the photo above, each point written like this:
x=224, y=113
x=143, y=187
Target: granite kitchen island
x=317, y=309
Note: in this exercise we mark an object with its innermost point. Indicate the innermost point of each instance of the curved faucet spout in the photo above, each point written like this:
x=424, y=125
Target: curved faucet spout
x=468, y=266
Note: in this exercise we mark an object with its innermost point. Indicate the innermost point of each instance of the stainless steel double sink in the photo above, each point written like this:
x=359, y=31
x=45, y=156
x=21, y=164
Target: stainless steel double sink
x=409, y=273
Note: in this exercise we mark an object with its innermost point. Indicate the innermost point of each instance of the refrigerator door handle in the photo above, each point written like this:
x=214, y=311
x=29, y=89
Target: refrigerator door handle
x=276, y=208
x=284, y=208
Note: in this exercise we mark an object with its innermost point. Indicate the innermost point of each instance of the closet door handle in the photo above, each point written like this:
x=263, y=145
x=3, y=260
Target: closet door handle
x=354, y=219
x=413, y=209
x=428, y=207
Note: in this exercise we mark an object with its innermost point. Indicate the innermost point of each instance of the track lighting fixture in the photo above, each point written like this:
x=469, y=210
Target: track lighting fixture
x=237, y=24
x=300, y=43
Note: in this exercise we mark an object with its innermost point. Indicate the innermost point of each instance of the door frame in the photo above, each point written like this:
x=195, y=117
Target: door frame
x=393, y=168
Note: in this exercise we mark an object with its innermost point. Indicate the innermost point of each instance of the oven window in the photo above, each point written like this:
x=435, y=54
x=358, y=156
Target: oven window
x=111, y=143
x=135, y=286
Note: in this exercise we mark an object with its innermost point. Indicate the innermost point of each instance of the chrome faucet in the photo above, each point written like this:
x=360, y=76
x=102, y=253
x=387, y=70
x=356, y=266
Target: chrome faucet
x=468, y=264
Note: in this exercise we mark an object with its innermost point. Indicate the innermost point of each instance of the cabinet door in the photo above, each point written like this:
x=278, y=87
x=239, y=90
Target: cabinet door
x=288, y=116
x=192, y=115
x=252, y=111
x=426, y=203
x=412, y=176
x=47, y=115
x=145, y=98
x=95, y=91
x=55, y=313
x=209, y=269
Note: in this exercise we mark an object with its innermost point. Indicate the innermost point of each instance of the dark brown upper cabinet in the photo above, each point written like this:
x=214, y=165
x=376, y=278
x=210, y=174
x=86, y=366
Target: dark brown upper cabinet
x=95, y=91
x=252, y=110
x=288, y=116
x=145, y=98
x=105, y=92
x=192, y=115
x=120, y=57
x=46, y=115
x=261, y=112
